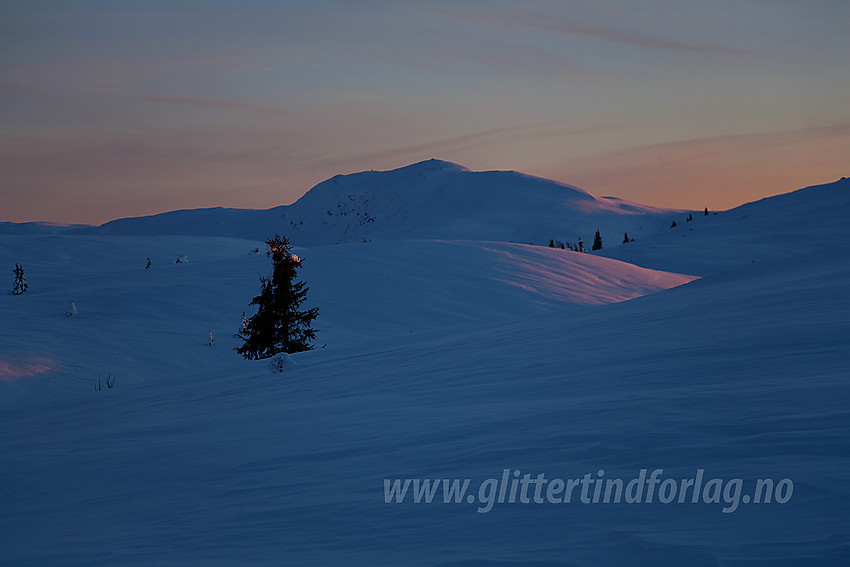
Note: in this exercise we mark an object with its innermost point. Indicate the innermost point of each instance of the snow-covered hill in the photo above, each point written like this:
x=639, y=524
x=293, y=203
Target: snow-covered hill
x=441, y=200
x=791, y=226
x=364, y=291
x=433, y=199
x=38, y=227
x=444, y=359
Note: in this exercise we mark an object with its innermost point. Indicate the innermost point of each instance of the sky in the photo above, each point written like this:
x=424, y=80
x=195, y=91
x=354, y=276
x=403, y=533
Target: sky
x=120, y=108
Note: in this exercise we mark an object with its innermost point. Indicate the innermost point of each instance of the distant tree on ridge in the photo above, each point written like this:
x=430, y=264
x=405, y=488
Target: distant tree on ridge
x=597, y=242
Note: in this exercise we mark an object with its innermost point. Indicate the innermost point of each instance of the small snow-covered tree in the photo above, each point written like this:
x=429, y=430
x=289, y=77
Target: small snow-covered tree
x=597, y=242
x=20, y=285
x=72, y=310
x=626, y=238
x=280, y=363
x=278, y=325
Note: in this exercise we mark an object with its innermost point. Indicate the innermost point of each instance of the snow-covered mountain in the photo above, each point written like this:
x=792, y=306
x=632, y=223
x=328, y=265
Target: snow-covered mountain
x=430, y=199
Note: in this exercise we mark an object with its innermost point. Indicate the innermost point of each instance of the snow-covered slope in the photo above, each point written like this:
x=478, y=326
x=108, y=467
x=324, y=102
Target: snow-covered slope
x=38, y=227
x=433, y=199
x=445, y=359
x=218, y=221
x=784, y=226
x=364, y=291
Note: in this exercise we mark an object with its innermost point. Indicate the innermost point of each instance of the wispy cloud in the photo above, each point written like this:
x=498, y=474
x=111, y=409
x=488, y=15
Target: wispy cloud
x=438, y=147
x=195, y=101
x=606, y=33
x=453, y=143
x=758, y=139
x=632, y=38
x=723, y=171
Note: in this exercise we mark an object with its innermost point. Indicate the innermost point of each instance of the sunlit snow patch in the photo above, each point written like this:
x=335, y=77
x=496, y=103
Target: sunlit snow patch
x=23, y=367
x=584, y=279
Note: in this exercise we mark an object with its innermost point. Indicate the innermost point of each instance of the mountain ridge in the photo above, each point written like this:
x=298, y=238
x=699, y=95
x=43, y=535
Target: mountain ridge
x=437, y=199
x=428, y=199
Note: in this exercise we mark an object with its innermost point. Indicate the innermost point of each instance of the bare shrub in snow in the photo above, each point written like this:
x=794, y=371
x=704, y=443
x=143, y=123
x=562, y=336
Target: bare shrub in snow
x=110, y=382
x=20, y=285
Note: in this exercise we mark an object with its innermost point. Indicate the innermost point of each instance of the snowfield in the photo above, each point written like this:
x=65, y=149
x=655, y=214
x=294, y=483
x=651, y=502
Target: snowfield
x=449, y=354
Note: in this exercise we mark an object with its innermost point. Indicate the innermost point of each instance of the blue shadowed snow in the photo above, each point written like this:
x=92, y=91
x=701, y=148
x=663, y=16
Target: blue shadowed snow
x=445, y=359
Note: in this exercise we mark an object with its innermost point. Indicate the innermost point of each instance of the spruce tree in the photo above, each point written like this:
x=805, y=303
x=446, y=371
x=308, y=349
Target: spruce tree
x=626, y=238
x=20, y=285
x=597, y=242
x=278, y=325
